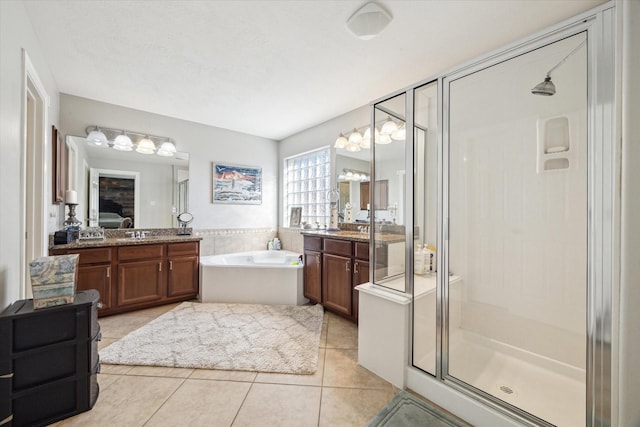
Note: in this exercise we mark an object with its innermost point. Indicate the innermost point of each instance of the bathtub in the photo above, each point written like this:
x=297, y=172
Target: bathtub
x=259, y=277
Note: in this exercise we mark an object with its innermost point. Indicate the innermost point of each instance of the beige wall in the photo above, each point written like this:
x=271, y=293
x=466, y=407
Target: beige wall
x=17, y=34
x=205, y=144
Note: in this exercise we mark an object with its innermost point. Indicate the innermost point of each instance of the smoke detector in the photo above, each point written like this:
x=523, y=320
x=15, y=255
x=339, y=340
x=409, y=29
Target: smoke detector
x=368, y=21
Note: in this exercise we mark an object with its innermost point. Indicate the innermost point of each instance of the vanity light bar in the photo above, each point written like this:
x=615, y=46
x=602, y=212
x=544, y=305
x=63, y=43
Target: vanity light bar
x=122, y=140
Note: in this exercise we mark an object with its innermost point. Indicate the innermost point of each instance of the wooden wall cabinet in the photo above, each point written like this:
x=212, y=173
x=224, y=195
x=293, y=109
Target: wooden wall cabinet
x=138, y=276
x=332, y=269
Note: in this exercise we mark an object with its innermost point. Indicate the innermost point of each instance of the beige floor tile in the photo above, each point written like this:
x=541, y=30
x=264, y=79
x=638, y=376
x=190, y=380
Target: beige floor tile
x=121, y=325
x=280, y=405
x=105, y=380
x=214, y=374
x=114, y=369
x=157, y=311
x=341, y=369
x=315, y=379
x=128, y=401
x=323, y=335
x=202, y=403
x=351, y=407
x=105, y=342
x=342, y=333
x=160, y=371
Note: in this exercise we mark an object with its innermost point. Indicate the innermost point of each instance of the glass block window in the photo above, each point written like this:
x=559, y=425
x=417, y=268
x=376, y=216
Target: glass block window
x=307, y=179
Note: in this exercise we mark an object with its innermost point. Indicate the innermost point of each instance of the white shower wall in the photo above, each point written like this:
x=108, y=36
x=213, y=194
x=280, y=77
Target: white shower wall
x=519, y=236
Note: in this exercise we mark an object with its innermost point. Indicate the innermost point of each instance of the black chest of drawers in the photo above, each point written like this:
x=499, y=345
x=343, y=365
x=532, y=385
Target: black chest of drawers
x=48, y=361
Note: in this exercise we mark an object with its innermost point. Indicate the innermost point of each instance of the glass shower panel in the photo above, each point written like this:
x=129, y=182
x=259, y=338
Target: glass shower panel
x=387, y=203
x=517, y=210
x=425, y=198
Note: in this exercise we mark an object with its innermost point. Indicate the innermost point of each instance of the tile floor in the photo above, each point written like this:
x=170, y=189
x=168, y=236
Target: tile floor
x=340, y=393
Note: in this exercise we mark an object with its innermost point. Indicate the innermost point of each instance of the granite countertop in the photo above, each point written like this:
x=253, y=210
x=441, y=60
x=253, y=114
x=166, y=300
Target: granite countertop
x=126, y=241
x=355, y=236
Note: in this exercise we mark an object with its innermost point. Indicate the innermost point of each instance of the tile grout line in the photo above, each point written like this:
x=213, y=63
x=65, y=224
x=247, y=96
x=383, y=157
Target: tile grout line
x=166, y=400
x=235, y=417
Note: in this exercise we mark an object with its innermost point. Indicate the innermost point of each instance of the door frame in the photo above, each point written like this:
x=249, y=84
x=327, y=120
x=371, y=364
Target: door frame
x=34, y=170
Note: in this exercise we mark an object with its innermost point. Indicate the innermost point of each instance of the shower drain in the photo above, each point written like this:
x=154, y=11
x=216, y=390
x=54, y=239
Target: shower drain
x=507, y=390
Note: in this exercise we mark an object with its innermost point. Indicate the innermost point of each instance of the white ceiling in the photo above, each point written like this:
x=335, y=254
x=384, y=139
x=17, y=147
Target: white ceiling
x=267, y=68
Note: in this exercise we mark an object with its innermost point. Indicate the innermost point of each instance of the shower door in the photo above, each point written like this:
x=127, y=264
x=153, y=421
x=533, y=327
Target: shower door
x=517, y=180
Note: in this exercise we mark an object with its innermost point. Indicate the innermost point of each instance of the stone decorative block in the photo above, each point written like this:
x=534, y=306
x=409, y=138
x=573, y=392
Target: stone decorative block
x=53, y=280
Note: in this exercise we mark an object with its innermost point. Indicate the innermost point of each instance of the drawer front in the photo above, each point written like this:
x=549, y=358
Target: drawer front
x=362, y=250
x=186, y=248
x=313, y=243
x=338, y=247
x=92, y=256
x=140, y=252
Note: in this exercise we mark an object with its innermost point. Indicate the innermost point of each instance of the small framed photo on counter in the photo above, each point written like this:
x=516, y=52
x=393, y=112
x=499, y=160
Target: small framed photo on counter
x=295, y=216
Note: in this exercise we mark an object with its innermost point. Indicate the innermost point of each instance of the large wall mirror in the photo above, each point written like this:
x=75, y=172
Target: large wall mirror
x=126, y=189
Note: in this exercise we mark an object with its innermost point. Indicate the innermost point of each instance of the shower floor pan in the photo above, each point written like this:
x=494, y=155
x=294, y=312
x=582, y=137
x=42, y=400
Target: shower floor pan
x=543, y=387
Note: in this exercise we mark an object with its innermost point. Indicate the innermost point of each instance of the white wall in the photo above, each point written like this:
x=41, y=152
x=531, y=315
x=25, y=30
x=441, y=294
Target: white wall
x=316, y=137
x=16, y=33
x=205, y=144
x=629, y=349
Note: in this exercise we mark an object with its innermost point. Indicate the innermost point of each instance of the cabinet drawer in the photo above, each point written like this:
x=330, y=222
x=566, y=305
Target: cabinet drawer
x=313, y=243
x=338, y=247
x=140, y=252
x=362, y=250
x=93, y=256
x=186, y=248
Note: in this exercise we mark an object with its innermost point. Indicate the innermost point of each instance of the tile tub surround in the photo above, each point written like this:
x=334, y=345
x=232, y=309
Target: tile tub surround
x=340, y=392
x=220, y=241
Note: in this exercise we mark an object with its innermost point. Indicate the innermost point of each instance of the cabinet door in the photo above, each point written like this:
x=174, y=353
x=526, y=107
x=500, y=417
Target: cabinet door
x=313, y=276
x=336, y=283
x=182, y=276
x=97, y=277
x=360, y=276
x=139, y=281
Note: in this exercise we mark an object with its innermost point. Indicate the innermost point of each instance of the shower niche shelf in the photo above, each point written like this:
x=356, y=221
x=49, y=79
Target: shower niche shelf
x=557, y=143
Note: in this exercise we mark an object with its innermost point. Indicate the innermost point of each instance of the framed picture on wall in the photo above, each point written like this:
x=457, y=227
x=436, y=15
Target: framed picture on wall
x=236, y=184
x=59, y=170
x=294, y=217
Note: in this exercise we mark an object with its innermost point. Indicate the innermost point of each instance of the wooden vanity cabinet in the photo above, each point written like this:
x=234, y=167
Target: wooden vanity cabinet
x=336, y=277
x=138, y=276
x=360, y=271
x=332, y=270
x=95, y=271
x=182, y=272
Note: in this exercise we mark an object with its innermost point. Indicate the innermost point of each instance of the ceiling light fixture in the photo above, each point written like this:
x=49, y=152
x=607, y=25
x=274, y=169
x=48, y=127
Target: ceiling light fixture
x=167, y=149
x=341, y=142
x=146, y=146
x=122, y=143
x=368, y=21
x=389, y=127
x=97, y=138
x=122, y=140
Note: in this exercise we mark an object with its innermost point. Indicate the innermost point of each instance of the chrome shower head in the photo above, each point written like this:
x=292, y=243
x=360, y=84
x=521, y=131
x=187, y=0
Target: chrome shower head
x=545, y=88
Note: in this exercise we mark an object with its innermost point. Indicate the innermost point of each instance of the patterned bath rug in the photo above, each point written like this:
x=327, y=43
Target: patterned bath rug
x=406, y=410
x=243, y=337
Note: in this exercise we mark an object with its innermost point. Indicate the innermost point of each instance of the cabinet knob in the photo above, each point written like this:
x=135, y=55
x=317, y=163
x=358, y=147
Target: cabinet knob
x=170, y=265
x=347, y=266
x=108, y=272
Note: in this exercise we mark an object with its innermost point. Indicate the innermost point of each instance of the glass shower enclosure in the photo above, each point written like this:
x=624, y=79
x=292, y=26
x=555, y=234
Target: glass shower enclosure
x=495, y=175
